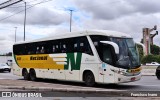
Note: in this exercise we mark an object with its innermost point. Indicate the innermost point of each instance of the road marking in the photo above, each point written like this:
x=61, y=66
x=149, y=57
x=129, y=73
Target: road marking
x=151, y=85
x=143, y=85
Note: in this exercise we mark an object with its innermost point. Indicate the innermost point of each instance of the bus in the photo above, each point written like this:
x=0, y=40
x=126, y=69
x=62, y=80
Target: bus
x=91, y=56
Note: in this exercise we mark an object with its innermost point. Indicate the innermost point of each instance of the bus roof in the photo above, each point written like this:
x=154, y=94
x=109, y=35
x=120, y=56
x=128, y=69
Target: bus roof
x=82, y=33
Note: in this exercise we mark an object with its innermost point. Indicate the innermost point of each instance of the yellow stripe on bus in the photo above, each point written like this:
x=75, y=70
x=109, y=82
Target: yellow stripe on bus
x=41, y=61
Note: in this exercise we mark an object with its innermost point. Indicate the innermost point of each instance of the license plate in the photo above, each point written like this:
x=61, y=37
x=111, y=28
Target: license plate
x=133, y=79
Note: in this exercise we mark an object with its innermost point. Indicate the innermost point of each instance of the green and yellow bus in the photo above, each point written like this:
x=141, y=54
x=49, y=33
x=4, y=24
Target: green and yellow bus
x=92, y=56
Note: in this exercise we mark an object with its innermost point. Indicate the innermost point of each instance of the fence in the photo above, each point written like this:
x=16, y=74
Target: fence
x=148, y=70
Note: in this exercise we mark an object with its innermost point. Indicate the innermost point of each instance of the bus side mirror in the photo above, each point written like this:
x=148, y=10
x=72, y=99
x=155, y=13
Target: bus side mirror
x=143, y=46
x=114, y=45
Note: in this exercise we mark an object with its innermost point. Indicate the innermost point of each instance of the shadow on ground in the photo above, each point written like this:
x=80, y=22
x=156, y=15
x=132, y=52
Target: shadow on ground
x=104, y=86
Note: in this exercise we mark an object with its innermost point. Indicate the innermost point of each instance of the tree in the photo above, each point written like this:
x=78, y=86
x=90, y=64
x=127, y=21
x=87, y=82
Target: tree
x=150, y=58
x=6, y=54
x=141, y=40
x=140, y=50
x=155, y=49
x=9, y=54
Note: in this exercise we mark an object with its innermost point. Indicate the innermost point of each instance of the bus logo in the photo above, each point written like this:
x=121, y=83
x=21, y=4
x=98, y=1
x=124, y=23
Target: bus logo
x=69, y=60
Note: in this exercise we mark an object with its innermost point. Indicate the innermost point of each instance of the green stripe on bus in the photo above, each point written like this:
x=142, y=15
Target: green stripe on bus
x=74, y=63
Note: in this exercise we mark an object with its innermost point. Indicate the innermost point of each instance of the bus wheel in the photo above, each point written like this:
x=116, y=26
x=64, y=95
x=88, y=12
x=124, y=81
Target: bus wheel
x=158, y=76
x=9, y=70
x=25, y=74
x=158, y=72
x=32, y=74
x=89, y=79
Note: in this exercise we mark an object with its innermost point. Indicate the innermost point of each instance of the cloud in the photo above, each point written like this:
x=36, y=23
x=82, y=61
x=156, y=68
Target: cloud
x=128, y=16
x=107, y=10
x=113, y=9
x=43, y=16
x=145, y=6
x=48, y=19
x=35, y=16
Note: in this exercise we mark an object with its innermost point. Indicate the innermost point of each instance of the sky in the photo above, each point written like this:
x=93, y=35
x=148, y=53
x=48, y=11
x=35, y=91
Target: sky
x=49, y=17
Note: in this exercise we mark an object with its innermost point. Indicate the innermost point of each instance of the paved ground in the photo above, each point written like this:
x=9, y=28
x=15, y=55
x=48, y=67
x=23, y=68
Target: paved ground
x=78, y=91
x=147, y=83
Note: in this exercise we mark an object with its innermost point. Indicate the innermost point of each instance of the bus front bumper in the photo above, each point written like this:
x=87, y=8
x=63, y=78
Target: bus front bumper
x=125, y=79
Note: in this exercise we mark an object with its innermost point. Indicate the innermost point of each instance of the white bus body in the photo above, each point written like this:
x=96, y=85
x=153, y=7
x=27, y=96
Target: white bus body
x=97, y=56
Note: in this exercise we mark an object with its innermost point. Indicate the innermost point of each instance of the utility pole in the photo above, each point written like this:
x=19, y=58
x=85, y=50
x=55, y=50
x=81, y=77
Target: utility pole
x=15, y=32
x=25, y=21
x=70, y=19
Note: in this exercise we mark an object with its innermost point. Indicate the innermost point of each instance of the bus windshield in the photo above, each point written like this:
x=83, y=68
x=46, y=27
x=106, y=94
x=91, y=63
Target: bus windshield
x=128, y=56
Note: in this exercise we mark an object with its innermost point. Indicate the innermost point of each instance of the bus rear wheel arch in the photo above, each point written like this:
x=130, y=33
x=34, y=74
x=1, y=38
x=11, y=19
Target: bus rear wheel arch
x=32, y=74
x=88, y=78
x=25, y=74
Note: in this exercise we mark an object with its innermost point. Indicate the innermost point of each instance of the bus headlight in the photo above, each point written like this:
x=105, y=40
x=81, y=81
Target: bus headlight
x=118, y=71
x=122, y=72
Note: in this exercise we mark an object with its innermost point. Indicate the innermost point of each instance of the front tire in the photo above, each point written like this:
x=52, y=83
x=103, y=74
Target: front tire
x=33, y=75
x=89, y=79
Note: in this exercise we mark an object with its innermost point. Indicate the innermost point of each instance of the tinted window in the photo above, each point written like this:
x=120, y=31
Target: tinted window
x=68, y=45
x=96, y=41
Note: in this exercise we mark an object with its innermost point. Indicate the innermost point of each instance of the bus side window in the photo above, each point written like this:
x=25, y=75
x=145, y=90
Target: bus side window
x=75, y=47
x=107, y=54
x=68, y=45
x=85, y=46
x=42, y=50
x=38, y=50
x=54, y=49
x=31, y=49
x=57, y=48
x=82, y=49
x=63, y=48
x=95, y=43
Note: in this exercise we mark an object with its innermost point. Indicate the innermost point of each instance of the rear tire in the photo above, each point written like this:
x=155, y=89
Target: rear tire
x=9, y=70
x=89, y=79
x=32, y=75
x=25, y=74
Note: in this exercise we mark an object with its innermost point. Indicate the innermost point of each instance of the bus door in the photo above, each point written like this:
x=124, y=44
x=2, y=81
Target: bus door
x=108, y=75
x=107, y=58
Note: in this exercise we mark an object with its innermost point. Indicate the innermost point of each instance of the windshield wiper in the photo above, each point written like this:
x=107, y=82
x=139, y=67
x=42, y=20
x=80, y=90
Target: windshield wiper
x=124, y=57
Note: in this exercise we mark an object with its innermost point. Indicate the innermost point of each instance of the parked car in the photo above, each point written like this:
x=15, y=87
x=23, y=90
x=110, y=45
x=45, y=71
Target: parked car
x=5, y=67
x=153, y=63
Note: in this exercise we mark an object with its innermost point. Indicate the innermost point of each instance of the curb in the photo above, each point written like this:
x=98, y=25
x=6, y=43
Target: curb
x=81, y=92
x=50, y=89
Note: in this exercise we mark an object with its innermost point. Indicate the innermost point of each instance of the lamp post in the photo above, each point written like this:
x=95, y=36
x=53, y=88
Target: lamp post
x=15, y=32
x=24, y=21
x=70, y=20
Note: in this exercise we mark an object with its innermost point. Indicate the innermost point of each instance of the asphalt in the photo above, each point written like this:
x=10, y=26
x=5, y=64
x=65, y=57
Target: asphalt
x=21, y=84
x=47, y=86
x=64, y=87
